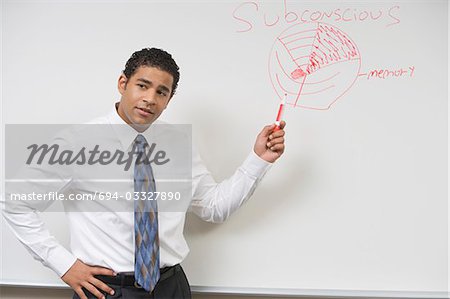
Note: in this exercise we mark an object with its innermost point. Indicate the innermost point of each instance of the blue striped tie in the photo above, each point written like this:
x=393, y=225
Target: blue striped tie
x=146, y=267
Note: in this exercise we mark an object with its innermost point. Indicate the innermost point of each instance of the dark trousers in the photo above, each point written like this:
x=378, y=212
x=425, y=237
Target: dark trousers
x=174, y=287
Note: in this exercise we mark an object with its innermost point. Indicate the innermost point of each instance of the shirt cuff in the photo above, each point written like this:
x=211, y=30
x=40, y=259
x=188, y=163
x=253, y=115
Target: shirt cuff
x=61, y=260
x=255, y=166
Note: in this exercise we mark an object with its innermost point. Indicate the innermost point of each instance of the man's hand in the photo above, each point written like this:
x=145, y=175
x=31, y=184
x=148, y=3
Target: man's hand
x=269, y=144
x=81, y=275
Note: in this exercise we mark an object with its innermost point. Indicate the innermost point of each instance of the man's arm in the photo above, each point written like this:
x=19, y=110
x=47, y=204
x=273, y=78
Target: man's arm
x=32, y=233
x=29, y=229
x=215, y=202
x=22, y=216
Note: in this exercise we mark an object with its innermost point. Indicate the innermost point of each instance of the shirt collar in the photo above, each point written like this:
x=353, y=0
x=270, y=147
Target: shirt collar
x=124, y=132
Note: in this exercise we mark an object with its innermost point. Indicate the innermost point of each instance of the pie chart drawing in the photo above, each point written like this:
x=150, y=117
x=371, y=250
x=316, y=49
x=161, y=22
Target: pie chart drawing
x=313, y=64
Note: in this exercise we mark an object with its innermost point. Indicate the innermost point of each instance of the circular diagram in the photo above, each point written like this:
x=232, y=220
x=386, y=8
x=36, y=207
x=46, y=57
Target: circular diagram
x=313, y=64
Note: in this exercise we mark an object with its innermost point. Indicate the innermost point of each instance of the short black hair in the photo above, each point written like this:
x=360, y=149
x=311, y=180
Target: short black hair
x=154, y=58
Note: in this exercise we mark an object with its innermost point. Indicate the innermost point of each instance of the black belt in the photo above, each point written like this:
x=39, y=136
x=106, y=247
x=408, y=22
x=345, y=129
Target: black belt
x=126, y=279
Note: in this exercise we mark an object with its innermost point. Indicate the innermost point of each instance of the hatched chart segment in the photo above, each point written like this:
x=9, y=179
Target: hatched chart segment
x=314, y=64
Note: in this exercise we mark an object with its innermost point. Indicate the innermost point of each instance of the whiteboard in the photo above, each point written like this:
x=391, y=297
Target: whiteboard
x=358, y=202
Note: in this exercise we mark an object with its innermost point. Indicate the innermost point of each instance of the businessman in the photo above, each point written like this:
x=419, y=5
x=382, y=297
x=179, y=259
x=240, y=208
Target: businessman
x=137, y=254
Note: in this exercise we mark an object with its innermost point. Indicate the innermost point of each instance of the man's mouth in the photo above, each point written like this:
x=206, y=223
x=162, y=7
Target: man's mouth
x=144, y=111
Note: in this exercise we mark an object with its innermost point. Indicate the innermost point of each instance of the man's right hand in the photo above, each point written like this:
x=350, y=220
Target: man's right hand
x=81, y=276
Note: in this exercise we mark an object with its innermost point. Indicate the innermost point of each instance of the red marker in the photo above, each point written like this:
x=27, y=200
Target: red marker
x=280, y=113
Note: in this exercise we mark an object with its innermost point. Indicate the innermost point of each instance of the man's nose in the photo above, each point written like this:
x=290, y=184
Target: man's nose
x=150, y=99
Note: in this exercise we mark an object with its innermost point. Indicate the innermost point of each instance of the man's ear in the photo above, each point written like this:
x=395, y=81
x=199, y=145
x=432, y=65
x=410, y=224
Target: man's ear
x=122, y=83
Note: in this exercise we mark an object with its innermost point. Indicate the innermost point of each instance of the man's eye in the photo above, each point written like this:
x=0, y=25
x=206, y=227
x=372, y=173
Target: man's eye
x=142, y=86
x=162, y=93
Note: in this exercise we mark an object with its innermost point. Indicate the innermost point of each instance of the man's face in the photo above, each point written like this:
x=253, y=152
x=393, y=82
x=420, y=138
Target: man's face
x=144, y=96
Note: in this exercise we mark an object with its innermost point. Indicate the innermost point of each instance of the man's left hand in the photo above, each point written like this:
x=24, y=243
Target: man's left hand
x=269, y=144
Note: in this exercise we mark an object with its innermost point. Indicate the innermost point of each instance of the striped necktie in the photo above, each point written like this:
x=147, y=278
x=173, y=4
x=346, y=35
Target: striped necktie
x=146, y=267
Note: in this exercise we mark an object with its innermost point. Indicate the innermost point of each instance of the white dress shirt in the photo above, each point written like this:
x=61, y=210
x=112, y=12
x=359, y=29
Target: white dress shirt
x=106, y=238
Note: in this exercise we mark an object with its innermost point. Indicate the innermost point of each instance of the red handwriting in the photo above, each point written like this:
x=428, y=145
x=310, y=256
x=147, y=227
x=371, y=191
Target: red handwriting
x=385, y=73
x=248, y=14
x=249, y=25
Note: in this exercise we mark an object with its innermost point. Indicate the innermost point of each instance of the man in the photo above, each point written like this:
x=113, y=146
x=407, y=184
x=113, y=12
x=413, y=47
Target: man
x=104, y=260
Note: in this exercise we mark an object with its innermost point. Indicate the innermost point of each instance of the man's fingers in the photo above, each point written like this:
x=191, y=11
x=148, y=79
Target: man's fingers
x=98, y=283
x=269, y=144
x=267, y=130
x=271, y=130
x=102, y=271
x=275, y=141
x=94, y=291
x=80, y=293
x=277, y=148
x=101, y=285
x=277, y=133
x=81, y=276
